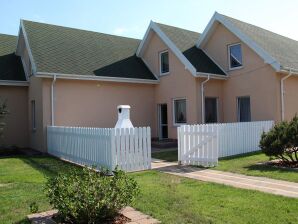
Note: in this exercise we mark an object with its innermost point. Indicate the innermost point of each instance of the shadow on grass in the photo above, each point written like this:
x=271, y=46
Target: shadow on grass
x=47, y=165
x=241, y=155
x=269, y=168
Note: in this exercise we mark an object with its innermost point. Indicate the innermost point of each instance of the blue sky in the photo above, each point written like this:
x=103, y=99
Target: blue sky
x=131, y=17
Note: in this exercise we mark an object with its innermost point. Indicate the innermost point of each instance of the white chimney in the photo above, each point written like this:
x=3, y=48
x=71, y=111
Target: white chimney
x=123, y=117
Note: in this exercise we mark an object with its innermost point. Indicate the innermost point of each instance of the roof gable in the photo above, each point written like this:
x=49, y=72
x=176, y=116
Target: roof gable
x=274, y=49
x=62, y=50
x=182, y=44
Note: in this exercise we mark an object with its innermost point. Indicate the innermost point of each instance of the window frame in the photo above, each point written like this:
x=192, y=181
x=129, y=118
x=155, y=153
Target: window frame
x=238, y=108
x=160, y=65
x=174, y=115
x=229, y=57
x=33, y=115
x=217, y=110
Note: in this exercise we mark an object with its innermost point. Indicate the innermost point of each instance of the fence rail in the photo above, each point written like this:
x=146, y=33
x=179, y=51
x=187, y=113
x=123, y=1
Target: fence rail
x=204, y=144
x=127, y=148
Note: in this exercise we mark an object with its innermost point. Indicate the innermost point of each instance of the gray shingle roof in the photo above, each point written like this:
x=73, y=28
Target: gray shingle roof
x=64, y=50
x=283, y=49
x=185, y=41
x=10, y=65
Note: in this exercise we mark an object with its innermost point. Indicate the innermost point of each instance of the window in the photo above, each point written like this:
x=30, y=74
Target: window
x=211, y=110
x=179, y=111
x=244, y=109
x=33, y=115
x=164, y=62
x=235, y=56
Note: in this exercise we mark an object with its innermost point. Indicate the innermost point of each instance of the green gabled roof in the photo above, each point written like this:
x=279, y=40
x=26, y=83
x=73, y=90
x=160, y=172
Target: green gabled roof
x=185, y=41
x=64, y=50
x=283, y=49
x=11, y=68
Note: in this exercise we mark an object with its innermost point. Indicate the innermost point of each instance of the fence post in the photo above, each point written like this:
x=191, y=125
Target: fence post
x=179, y=145
x=113, y=149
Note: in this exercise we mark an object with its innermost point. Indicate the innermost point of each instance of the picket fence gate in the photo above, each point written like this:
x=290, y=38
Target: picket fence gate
x=203, y=144
x=127, y=148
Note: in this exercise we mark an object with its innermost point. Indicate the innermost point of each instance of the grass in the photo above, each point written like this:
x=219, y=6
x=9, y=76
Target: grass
x=169, y=198
x=170, y=156
x=248, y=164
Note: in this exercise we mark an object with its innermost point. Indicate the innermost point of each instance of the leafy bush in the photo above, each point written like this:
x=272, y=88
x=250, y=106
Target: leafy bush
x=87, y=196
x=282, y=141
x=33, y=207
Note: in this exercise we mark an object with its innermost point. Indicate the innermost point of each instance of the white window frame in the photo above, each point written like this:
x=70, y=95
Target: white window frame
x=217, y=109
x=33, y=115
x=229, y=57
x=160, y=70
x=238, y=108
x=173, y=111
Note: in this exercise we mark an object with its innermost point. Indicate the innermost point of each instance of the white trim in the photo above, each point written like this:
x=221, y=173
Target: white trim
x=25, y=68
x=212, y=76
x=159, y=56
x=229, y=56
x=95, y=78
x=244, y=38
x=173, y=111
x=169, y=43
x=13, y=83
x=33, y=66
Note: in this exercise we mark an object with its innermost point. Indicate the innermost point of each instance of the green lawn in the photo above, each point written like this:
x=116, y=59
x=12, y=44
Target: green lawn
x=248, y=164
x=169, y=198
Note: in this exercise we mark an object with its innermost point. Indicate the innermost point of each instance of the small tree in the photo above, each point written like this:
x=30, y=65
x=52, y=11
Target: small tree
x=282, y=141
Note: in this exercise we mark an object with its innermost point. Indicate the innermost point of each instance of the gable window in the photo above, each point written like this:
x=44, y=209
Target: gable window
x=164, y=62
x=235, y=56
x=33, y=115
x=179, y=111
x=211, y=113
x=244, y=109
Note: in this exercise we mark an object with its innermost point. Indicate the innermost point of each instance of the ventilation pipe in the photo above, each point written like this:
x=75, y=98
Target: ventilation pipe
x=52, y=101
x=282, y=93
x=123, y=117
x=202, y=100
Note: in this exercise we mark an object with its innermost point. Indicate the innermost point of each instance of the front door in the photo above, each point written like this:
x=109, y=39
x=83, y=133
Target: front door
x=163, y=121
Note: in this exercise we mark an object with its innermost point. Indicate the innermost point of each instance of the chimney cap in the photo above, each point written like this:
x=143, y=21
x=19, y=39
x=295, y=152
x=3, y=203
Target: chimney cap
x=123, y=107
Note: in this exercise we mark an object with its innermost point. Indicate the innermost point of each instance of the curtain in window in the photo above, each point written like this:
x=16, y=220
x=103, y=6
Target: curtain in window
x=165, y=62
x=244, y=109
x=180, y=111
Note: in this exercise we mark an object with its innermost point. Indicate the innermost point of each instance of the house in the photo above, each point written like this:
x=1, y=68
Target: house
x=232, y=72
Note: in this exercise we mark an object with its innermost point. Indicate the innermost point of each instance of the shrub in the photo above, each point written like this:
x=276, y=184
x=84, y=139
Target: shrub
x=282, y=141
x=87, y=196
x=33, y=207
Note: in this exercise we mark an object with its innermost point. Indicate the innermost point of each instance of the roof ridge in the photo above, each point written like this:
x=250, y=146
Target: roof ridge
x=259, y=27
x=10, y=35
x=78, y=29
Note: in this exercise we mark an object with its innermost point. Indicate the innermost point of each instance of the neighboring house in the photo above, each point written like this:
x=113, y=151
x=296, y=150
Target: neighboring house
x=232, y=72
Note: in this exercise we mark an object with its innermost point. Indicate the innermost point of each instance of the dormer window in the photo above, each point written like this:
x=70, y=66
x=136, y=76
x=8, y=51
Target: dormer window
x=235, y=56
x=164, y=62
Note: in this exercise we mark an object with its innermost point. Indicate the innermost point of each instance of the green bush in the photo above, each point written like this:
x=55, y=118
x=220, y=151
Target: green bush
x=87, y=196
x=282, y=141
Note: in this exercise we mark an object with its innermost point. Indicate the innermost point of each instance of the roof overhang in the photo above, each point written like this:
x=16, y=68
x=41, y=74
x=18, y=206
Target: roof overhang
x=13, y=83
x=218, y=18
x=211, y=76
x=144, y=43
x=95, y=78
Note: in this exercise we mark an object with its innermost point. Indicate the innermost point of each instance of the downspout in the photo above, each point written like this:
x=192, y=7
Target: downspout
x=52, y=101
x=202, y=99
x=282, y=93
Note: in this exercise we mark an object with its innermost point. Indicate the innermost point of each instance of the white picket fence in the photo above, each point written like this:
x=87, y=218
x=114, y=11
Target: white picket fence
x=127, y=148
x=203, y=144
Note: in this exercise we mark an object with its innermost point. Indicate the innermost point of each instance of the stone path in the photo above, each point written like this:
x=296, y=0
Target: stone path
x=135, y=217
x=278, y=187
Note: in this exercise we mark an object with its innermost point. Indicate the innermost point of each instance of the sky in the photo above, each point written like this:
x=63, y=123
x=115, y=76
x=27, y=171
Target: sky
x=131, y=18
